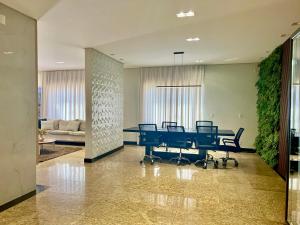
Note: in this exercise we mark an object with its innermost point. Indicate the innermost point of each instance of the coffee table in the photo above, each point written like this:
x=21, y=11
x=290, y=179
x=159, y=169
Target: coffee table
x=46, y=141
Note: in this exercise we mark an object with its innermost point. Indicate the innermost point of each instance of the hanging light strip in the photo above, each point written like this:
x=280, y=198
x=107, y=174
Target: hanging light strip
x=177, y=86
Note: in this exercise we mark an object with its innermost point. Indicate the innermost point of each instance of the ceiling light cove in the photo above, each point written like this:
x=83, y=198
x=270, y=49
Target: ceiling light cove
x=59, y=62
x=8, y=53
x=182, y=14
x=193, y=39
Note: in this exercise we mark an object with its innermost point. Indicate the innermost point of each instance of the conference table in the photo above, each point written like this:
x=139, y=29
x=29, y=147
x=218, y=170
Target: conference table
x=190, y=133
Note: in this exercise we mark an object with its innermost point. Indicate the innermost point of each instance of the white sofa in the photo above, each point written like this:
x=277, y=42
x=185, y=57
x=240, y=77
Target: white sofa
x=72, y=131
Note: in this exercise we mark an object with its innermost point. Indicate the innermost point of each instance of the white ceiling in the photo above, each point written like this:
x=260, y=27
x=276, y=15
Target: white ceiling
x=147, y=32
x=32, y=8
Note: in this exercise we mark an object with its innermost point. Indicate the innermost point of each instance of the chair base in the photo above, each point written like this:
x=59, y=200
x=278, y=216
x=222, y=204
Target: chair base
x=204, y=163
x=225, y=159
x=180, y=159
x=151, y=158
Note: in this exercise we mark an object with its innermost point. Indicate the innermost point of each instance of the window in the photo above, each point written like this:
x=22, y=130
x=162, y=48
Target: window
x=172, y=94
x=63, y=94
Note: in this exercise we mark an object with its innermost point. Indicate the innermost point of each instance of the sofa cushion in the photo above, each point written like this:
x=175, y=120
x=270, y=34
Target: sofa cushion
x=56, y=124
x=77, y=133
x=71, y=125
x=47, y=125
x=82, y=126
x=59, y=132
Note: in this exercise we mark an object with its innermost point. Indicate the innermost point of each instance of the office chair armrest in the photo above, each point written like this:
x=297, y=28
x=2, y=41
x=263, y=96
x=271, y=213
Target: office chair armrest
x=228, y=141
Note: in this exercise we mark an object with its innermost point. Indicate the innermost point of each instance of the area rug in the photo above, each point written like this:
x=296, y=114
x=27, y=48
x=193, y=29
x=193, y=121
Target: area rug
x=48, y=153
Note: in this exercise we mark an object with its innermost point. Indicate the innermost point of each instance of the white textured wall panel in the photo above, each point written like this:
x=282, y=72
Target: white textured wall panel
x=104, y=103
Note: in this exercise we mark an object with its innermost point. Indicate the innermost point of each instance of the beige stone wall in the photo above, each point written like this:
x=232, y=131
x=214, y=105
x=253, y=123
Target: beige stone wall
x=18, y=101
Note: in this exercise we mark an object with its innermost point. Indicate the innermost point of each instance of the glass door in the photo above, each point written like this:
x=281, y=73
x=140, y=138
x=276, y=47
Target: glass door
x=294, y=157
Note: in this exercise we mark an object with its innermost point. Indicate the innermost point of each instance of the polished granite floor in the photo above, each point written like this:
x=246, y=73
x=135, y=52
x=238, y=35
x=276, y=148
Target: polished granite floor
x=117, y=190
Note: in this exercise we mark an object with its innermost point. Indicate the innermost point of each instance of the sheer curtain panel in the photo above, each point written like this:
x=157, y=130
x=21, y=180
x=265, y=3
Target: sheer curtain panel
x=62, y=94
x=172, y=94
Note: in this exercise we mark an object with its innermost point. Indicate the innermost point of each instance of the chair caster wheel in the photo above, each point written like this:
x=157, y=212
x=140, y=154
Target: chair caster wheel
x=152, y=162
x=236, y=163
x=204, y=165
x=141, y=162
x=178, y=163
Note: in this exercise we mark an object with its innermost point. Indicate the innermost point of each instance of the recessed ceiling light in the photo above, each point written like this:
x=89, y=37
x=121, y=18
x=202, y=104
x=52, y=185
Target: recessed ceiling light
x=283, y=35
x=231, y=59
x=295, y=24
x=192, y=39
x=199, y=61
x=59, y=62
x=182, y=14
x=8, y=53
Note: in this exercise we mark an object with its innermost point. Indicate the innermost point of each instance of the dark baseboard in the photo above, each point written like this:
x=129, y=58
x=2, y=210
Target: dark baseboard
x=70, y=143
x=17, y=201
x=130, y=143
x=103, y=155
x=248, y=150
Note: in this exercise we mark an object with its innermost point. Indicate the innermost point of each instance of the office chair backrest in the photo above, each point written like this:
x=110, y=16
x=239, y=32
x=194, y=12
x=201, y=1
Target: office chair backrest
x=176, y=128
x=147, y=127
x=176, y=137
x=238, y=135
x=165, y=124
x=207, y=135
x=148, y=134
x=204, y=123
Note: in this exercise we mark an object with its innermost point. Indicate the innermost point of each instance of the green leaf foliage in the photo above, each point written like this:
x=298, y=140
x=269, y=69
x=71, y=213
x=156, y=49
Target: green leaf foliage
x=268, y=107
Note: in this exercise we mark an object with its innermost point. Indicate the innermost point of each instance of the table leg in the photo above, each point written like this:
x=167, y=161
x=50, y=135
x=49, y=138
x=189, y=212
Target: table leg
x=148, y=149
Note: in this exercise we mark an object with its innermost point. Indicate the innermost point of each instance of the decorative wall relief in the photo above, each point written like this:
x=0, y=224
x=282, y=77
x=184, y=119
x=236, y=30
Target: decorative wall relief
x=104, y=93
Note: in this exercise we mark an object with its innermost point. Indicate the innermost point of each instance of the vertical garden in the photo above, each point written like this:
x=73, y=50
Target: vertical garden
x=268, y=107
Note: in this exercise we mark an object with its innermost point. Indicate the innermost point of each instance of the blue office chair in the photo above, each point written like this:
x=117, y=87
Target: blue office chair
x=150, y=138
x=177, y=138
x=207, y=139
x=165, y=124
x=204, y=123
x=232, y=145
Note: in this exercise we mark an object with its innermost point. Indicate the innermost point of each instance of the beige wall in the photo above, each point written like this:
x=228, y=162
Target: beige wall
x=18, y=100
x=131, y=101
x=104, y=103
x=229, y=99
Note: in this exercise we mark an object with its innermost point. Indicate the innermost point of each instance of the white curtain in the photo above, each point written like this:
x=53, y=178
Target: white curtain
x=180, y=104
x=62, y=94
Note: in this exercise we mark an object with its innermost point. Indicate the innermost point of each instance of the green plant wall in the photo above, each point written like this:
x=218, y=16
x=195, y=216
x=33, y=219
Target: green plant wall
x=268, y=107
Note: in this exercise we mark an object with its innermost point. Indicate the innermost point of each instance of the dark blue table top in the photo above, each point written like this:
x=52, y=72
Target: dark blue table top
x=221, y=132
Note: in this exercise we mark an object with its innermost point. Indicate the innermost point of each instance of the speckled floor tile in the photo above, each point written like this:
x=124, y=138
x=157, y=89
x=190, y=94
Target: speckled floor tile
x=117, y=190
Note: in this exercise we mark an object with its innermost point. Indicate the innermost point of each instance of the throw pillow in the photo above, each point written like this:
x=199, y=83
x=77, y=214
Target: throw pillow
x=69, y=125
x=47, y=125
